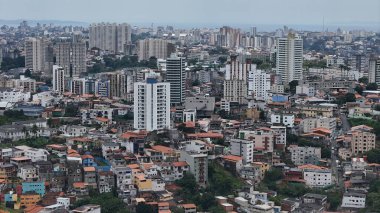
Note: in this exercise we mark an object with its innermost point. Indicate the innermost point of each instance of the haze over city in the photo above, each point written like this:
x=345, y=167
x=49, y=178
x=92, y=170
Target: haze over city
x=199, y=13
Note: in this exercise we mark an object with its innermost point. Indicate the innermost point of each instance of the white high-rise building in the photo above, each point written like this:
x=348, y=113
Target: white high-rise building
x=58, y=79
x=258, y=84
x=38, y=55
x=110, y=37
x=289, y=58
x=374, y=71
x=176, y=76
x=235, y=83
x=151, y=105
x=158, y=48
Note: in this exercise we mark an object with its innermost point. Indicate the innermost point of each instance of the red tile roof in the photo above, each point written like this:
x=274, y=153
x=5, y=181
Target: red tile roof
x=163, y=149
x=180, y=164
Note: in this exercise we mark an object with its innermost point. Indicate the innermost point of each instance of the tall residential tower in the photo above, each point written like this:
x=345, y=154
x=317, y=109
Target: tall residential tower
x=289, y=58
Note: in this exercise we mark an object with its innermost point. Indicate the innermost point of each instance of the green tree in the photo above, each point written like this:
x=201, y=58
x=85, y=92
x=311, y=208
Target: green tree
x=371, y=86
x=359, y=90
x=196, y=83
x=34, y=130
x=292, y=86
x=363, y=80
x=144, y=208
x=373, y=156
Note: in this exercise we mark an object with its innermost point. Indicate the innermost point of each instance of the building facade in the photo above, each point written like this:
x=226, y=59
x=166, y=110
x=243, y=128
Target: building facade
x=289, y=59
x=176, y=75
x=151, y=105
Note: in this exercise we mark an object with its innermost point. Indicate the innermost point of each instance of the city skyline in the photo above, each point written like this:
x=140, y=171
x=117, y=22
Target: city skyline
x=204, y=14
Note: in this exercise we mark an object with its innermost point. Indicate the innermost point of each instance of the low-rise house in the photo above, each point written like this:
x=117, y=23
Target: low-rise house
x=108, y=148
x=232, y=163
x=188, y=208
x=353, y=200
x=90, y=208
x=284, y=119
x=316, y=176
x=27, y=173
x=33, y=153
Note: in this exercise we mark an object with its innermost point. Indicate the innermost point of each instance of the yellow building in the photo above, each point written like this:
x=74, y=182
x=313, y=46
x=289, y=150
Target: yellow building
x=29, y=199
x=142, y=183
x=314, y=111
x=262, y=167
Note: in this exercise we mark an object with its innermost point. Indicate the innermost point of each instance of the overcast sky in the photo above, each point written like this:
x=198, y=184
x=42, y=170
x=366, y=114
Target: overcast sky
x=281, y=12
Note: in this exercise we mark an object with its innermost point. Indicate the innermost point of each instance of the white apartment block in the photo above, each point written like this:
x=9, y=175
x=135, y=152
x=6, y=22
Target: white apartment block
x=151, y=105
x=289, y=58
x=317, y=177
x=308, y=124
x=33, y=153
x=189, y=115
x=258, y=84
x=305, y=89
x=64, y=201
x=353, y=200
x=304, y=155
x=58, y=79
x=224, y=105
x=13, y=95
x=287, y=120
x=242, y=148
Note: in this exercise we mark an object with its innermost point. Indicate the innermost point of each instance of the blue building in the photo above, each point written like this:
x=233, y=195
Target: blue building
x=37, y=187
x=88, y=161
x=103, y=88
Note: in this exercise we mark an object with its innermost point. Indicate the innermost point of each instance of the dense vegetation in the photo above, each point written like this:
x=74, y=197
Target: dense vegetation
x=108, y=202
x=369, y=122
x=272, y=181
x=10, y=63
x=39, y=142
x=112, y=64
x=293, y=139
x=12, y=116
x=221, y=182
x=373, y=197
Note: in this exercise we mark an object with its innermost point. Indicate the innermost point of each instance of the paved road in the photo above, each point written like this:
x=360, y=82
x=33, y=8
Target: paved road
x=345, y=124
x=334, y=150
